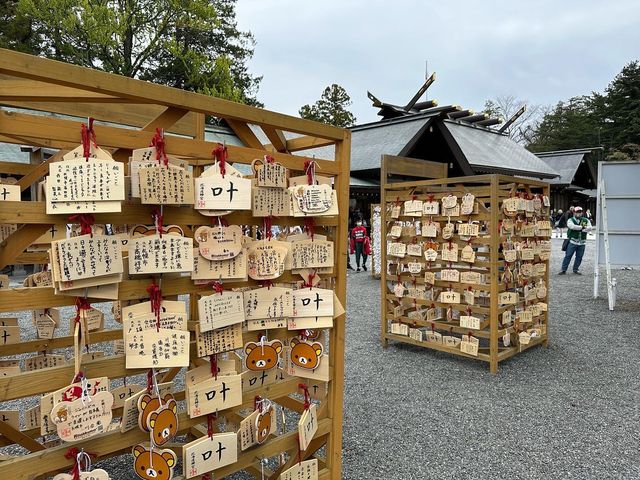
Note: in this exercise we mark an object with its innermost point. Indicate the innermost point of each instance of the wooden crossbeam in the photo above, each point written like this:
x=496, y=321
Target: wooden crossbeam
x=21, y=124
x=27, y=66
x=39, y=171
x=245, y=134
x=34, y=91
x=15, y=168
x=317, y=443
x=16, y=436
x=306, y=142
x=19, y=241
x=277, y=139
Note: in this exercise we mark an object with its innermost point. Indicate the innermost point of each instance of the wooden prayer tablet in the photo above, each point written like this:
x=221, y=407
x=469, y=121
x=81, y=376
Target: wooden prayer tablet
x=10, y=193
x=153, y=349
x=311, y=254
x=85, y=180
x=213, y=395
x=467, y=204
x=449, y=201
x=469, y=321
x=96, y=474
x=149, y=462
x=219, y=340
x=170, y=185
x=271, y=202
x=219, y=243
x=430, y=208
x=313, y=200
x=312, y=302
x=413, y=208
x=160, y=254
x=266, y=259
x=449, y=297
x=220, y=310
x=86, y=257
x=397, y=249
x=232, y=269
x=449, y=252
x=83, y=418
x=215, y=192
x=303, y=180
x=508, y=298
x=307, y=426
x=208, y=454
x=122, y=393
x=307, y=470
x=468, y=229
x=270, y=174
x=268, y=302
x=469, y=345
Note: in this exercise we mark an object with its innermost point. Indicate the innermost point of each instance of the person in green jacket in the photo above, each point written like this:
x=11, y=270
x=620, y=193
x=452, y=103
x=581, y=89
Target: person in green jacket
x=577, y=228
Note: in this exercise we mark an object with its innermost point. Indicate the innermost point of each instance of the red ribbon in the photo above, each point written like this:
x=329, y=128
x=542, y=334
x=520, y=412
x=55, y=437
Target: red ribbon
x=213, y=361
x=309, y=282
x=158, y=142
x=88, y=135
x=81, y=304
x=217, y=286
x=72, y=453
x=211, y=417
x=217, y=221
x=150, y=380
x=221, y=155
x=269, y=159
x=268, y=221
x=310, y=170
x=307, y=397
x=86, y=220
x=155, y=297
x=310, y=226
x=257, y=403
x=158, y=220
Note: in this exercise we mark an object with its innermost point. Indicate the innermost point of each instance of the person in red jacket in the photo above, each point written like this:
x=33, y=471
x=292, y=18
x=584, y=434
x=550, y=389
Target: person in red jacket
x=358, y=238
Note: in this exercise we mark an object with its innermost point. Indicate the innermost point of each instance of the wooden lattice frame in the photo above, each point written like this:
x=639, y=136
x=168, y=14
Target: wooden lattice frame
x=490, y=190
x=39, y=84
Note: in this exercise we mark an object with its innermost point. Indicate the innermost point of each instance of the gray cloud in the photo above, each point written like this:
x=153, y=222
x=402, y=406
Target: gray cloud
x=541, y=50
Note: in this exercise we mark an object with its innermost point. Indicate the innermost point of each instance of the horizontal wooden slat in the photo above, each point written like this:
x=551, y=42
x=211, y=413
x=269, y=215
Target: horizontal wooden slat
x=436, y=346
x=35, y=212
x=31, y=90
x=26, y=125
x=15, y=168
x=27, y=66
x=43, y=344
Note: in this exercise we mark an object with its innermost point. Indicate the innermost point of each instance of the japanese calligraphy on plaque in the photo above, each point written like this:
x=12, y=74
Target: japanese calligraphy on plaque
x=209, y=453
x=311, y=254
x=307, y=470
x=87, y=256
x=318, y=200
x=232, y=269
x=270, y=174
x=220, y=310
x=270, y=201
x=219, y=243
x=307, y=426
x=160, y=254
x=214, y=394
x=215, y=192
x=157, y=349
x=269, y=303
x=312, y=302
x=170, y=185
x=219, y=340
x=84, y=417
x=266, y=259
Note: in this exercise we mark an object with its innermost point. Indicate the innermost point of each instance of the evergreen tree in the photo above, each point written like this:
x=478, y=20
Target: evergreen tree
x=331, y=108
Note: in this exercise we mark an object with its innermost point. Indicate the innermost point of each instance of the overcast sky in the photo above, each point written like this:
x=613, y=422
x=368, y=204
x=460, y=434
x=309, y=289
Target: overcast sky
x=543, y=51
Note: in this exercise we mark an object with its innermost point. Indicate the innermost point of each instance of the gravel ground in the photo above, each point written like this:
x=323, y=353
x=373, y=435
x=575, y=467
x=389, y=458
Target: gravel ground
x=569, y=411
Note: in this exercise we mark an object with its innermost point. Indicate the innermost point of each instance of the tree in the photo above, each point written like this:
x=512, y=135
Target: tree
x=620, y=107
x=15, y=33
x=505, y=106
x=194, y=45
x=331, y=108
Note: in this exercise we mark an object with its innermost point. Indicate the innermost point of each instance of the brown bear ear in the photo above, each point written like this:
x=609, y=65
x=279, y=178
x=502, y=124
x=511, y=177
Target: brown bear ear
x=317, y=347
x=138, y=450
x=294, y=341
x=172, y=405
x=145, y=401
x=170, y=459
x=249, y=347
x=168, y=397
x=277, y=346
x=152, y=419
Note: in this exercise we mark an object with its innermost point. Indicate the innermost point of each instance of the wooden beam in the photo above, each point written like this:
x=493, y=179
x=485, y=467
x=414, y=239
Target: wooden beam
x=39, y=171
x=22, y=124
x=414, y=167
x=245, y=134
x=20, y=438
x=59, y=73
x=277, y=139
x=306, y=142
x=15, y=168
x=34, y=91
x=19, y=241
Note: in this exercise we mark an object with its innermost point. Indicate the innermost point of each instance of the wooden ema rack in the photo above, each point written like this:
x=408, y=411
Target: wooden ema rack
x=39, y=84
x=490, y=191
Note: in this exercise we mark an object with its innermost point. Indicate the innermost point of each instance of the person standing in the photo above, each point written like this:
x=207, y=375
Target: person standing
x=358, y=236
x=577, y=228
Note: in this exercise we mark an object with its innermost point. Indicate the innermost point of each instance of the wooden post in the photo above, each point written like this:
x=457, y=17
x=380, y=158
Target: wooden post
x=383, y=251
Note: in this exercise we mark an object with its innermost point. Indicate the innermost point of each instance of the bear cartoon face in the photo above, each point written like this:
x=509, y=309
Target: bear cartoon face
x=262, y=356
x=146, y=406
x=311, y=334
x=154, y=465
x=263, y=424
x=304, y=354
x=163, y=423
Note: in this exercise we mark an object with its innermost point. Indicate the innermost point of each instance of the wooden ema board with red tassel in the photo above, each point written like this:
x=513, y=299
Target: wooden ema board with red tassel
x=467, y=264
x=152, y=205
